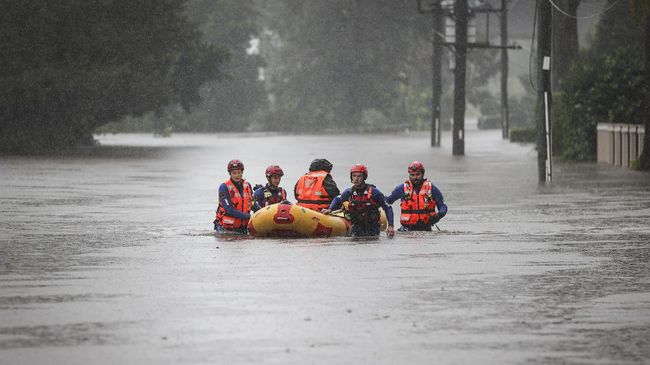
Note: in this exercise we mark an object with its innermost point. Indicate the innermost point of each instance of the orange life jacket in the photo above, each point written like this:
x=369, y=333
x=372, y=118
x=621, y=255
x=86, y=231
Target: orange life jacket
x=310, y=191
x=417, y=207
x=239, y=202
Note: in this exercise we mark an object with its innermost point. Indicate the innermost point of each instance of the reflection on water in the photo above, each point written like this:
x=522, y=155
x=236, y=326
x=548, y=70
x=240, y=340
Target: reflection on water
x=112, y=247
x=72, y=334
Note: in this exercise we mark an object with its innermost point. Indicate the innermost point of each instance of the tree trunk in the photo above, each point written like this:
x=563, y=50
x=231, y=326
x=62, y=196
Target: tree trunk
x=645, y=155
x=565, y=40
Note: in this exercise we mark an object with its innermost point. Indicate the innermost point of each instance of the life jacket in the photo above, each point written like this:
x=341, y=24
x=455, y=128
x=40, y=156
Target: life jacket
x=270, y=198
x=243, y=203
x=363, y=209
x=311, y=193
x=417, y=207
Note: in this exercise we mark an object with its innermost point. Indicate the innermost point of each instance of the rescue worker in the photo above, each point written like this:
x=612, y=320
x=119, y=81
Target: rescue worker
x=364, y=203
x=271, y=193
x=419, y=200
x=235, y=201
x=316, y=189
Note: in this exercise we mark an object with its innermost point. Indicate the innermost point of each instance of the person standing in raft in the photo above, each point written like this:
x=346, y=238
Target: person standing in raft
x=419, y=200
x=271, y=193
x=316, y=189
x=364, y=203
x=235, y=201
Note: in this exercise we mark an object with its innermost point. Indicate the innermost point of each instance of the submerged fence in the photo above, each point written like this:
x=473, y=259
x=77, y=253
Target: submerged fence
x=619, y=144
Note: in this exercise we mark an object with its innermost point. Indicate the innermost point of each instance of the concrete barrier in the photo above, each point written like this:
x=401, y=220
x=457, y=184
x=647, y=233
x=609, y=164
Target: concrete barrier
x=619, y=144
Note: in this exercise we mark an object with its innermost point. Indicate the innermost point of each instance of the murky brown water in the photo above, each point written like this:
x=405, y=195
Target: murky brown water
x=107, y=256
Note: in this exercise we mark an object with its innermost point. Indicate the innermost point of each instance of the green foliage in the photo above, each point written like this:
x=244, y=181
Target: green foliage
x=332, y=64
x=68, y=67
x=617, y=26
x=372, y=120
x=523, y=134
x=487, y=103
x=129, y=124
x=522, y=111
x=641, y=13
x=604, y=88
x=232, y=102
x=335, y=60
x=482, y=65
x=606, y=85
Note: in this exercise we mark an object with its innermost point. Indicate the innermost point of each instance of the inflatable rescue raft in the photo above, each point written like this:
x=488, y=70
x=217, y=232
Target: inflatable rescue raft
x=290, y=220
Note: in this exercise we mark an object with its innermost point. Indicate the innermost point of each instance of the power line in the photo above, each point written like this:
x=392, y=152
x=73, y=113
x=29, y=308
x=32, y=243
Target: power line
x=583, y=17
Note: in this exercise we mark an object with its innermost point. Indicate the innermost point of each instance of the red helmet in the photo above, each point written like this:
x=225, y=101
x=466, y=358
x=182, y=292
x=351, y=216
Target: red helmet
x=416, y=166
x=274, y=170
x=359, y=168
x=235, y=165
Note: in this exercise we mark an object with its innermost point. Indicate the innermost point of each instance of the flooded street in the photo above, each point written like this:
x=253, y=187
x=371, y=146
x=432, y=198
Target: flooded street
x=107, y=256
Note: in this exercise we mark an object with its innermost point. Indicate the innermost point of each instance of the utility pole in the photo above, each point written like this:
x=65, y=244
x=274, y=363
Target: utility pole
x=505, y=113
x=460, y=12
x=436, y=66
x=436, y=69
x=460, y=64
x=544, y=33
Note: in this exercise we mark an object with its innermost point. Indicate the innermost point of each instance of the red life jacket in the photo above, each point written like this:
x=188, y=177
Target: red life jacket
x=363, y=210
x=310, y=191
x=417, y=207
x=242, y=203
x=269, y=198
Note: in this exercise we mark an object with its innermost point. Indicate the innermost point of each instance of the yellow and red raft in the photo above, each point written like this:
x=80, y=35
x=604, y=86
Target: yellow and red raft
x=290, y=220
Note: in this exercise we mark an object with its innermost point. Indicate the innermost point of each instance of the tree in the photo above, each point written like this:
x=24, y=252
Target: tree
x=641, y=11
x=68, y=67
x=231, y=102
x=617, y=27
x=565, y=39
x=482, y=64
x=336, y=61
x=599, y=88
x=605, y=85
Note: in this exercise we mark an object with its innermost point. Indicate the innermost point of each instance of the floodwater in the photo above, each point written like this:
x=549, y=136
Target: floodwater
x=107, y=257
